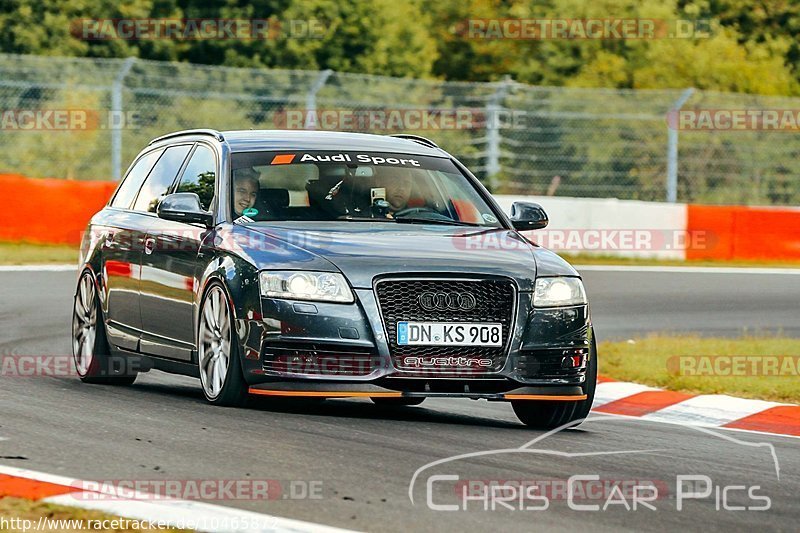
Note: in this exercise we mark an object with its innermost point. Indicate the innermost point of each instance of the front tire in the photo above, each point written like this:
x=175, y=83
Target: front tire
x=218, y=360
x=553, y=414
x=91, y=352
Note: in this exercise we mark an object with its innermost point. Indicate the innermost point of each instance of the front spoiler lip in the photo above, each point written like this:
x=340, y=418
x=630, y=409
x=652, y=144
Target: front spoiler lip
x=371, y=390
x=394, y=373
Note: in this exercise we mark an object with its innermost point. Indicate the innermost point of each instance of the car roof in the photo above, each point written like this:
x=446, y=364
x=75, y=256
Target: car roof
x=257, y=140
x=249, y=140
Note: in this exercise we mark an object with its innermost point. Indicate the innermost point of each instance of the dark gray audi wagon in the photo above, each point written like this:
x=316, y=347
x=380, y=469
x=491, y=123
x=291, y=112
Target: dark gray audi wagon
x=329, y=265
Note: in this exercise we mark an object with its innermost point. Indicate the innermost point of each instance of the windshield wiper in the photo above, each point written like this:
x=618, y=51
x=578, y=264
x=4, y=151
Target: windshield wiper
x=443, y=221
x=350, y=218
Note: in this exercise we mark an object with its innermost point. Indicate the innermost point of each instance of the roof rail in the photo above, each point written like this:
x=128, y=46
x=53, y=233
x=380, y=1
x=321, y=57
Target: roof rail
x=416, y=138
x=213, y=133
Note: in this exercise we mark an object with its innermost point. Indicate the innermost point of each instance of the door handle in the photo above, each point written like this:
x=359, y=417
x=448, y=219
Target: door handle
x=149, y=245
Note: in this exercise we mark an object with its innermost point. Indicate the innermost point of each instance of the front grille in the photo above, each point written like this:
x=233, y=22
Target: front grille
x=495, y=300
x=319, y=360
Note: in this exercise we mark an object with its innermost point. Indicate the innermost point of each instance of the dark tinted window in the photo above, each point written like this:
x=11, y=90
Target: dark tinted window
x=356, y=186
x=133, y=181
x=161, y=178
x=199, y=175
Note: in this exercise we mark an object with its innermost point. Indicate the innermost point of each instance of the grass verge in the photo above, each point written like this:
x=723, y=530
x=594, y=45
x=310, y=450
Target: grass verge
x=765, y=368
x=24, y=515
x=27, y=253
x=590, y=259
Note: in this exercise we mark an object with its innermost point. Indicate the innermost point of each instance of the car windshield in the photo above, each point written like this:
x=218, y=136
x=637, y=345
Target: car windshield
x=355, y=186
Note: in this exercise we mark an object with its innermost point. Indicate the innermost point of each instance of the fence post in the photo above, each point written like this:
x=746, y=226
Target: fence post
x=311, y=99
x=493, y=108
x=672, y=146
x=116, y=114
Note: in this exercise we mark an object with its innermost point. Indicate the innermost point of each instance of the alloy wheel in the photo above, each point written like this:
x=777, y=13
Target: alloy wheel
x=214, y=342
x=84, y=325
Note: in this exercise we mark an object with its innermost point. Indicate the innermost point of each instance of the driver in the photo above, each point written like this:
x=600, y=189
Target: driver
x=397, y=182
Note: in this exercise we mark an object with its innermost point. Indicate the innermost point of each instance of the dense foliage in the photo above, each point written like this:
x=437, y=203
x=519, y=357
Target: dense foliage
x=750, y=46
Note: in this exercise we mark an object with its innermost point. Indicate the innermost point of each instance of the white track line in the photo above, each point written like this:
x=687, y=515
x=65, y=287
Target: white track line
x=38, y=268
x=584, y=268
x=687, y=269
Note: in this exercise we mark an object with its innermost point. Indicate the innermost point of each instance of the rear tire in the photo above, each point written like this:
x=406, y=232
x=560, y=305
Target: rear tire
x=221, y=375
x=91, y=352
x=396, y=402
x=552, y=414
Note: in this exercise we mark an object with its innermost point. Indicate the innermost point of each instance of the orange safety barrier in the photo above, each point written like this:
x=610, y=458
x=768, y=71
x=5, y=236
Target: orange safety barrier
x=744, y=233
x=53, y=211
x=56, y=211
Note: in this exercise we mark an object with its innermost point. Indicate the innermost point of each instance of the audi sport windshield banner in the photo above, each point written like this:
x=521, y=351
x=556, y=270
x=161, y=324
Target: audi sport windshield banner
x=257, y=159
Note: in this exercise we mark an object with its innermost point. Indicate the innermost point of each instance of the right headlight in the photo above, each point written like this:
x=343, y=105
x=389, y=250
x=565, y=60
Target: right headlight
x=558, y=292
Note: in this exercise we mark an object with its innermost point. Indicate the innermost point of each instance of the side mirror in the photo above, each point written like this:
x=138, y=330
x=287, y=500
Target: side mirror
x=528, y=216
x=184, y=207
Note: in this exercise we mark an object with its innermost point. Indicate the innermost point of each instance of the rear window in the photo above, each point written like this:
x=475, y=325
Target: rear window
x=133, y=181
x=161, y=178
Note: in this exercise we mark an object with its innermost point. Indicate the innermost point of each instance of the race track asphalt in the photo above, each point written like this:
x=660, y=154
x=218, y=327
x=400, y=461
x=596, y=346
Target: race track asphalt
x=363, y=457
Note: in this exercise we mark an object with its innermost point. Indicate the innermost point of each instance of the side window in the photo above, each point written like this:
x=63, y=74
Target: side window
x=161, y=178
x=200, y=175
x=133, y=181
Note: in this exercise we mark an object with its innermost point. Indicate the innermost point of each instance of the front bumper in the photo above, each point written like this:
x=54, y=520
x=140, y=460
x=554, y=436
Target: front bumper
x=346, y=345
x=306, y=389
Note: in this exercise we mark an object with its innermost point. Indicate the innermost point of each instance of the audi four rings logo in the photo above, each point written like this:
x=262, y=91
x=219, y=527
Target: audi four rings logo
x=447, y=301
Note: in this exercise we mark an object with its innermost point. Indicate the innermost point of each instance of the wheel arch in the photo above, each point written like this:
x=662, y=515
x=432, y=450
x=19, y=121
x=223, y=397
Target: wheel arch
x=99, y=287
x=239, y=281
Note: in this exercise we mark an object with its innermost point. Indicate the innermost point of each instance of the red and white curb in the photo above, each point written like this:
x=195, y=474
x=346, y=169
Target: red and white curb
x=20, y=483
x=710, y=410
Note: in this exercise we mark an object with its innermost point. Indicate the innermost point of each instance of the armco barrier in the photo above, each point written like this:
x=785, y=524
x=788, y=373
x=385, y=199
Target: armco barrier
x=48, y=210
x=745, y=233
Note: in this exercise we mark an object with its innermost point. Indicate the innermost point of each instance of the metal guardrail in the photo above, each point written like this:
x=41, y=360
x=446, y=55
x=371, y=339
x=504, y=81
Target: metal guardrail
x=519, y=139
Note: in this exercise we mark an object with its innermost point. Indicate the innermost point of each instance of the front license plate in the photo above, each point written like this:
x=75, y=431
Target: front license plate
x=449, y=334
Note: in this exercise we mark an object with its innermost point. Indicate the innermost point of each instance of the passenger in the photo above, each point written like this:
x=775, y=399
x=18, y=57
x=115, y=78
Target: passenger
x=245, y=189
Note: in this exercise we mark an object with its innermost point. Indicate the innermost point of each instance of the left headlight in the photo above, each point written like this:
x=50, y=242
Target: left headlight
x=297, y=285
x=558, y=292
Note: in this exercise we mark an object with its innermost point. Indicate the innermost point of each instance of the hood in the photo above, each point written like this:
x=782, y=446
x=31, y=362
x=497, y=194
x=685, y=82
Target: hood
x=364, y=250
